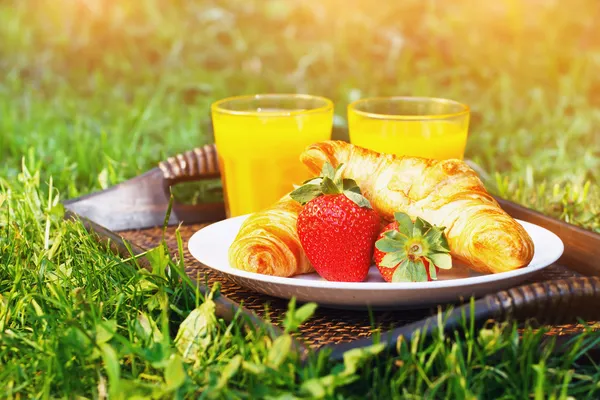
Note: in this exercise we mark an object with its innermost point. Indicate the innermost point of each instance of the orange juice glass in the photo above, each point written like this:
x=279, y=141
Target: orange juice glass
x=259, y=139
x=411, y=126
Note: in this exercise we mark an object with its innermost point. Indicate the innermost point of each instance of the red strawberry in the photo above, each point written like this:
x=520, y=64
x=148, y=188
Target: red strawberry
x=337, y=226
x=408, y=251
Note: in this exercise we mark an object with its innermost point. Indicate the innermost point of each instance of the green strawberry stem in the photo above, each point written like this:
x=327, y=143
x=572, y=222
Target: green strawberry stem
x=330, y=182
x=412, y=244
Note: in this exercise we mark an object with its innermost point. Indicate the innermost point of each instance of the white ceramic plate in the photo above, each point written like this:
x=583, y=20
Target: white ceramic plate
x=210, y=245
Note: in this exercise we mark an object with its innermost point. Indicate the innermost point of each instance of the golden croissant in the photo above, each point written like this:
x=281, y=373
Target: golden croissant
x=267, y=242
x=445, y=193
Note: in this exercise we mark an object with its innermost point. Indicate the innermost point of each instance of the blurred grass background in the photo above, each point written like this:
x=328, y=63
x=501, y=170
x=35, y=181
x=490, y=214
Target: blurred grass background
x=96, y=91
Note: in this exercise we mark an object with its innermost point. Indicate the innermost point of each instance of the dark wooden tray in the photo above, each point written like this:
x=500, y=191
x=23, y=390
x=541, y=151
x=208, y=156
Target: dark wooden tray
x=558, y=296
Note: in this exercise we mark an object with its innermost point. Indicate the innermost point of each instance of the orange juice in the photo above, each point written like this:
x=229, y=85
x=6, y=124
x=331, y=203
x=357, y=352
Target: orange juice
x=429, y=139
x=259, y=152
x=411, y=126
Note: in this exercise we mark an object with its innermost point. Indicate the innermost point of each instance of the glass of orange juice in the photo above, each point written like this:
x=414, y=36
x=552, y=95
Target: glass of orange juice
x=410, y=126
x=259, y=139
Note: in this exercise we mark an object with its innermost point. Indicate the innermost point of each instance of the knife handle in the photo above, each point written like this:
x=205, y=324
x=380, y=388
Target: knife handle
x=199, y=163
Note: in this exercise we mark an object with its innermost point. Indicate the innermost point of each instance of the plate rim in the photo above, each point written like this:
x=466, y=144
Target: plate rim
x=387, y=286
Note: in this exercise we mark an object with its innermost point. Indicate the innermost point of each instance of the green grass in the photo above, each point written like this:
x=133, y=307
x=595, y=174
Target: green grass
x=95, y=92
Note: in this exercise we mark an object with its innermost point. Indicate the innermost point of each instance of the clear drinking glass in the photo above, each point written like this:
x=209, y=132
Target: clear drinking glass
x=259, y=139
x=412, y=126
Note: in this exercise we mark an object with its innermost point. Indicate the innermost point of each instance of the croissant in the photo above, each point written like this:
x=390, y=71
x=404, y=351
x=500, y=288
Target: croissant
x=267, y=242
x=445, y=193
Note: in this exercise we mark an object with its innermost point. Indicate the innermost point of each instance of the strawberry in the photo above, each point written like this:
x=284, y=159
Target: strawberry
x=337, y=226
x=408, y=251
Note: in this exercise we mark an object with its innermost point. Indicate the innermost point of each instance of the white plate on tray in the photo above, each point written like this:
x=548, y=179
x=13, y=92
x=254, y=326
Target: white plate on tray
x=210, y=245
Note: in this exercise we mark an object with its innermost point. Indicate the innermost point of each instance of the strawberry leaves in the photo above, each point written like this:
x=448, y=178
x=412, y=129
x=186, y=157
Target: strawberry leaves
x=358, y=199
x=328, y=186
x=306, y=193
x=437, y=239
x=328, y=170
x=432, y=271
x=409, y=271
x=441, y=260
x=391, y=245
x=390, y=260
x=405, y=224
x=331, y=182
x=350, y=185
x=414, y=249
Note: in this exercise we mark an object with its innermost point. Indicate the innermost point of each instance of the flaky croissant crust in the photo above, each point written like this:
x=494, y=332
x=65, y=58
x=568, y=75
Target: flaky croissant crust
x=446, y=193
x=268, y=243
